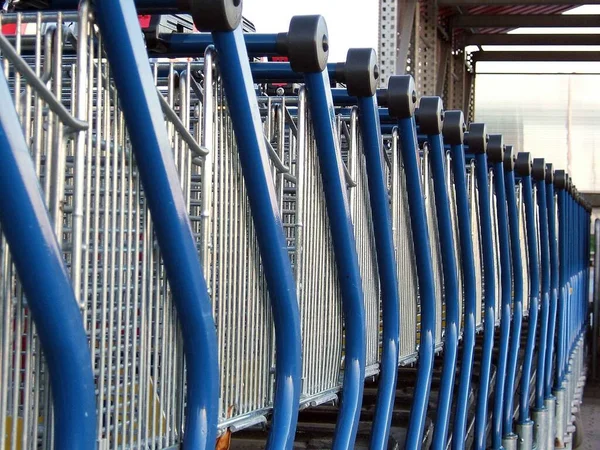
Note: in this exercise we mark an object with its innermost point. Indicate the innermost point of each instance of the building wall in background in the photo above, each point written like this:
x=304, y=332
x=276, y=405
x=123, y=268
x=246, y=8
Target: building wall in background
x=556, y=117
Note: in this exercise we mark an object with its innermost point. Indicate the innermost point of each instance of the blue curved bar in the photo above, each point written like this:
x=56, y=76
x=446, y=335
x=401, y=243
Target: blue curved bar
x=418, y=221
x=125, y=50
x=571, y=285
x=450, y=270
x=554, y=287
x=570, y=289
x=534, y=289
x=545, y=337
x=575, y=247
x=342, y=234
x=195, y=44
x=386, y=262
x=282, y=71
x=469, y=288
x=562, y=292
x=243, y=108
x=585, y=232
x=575, y=242
x=487, y=244
x=515, y=337
x=505, y=309
x=161, y=6
x=39, y=262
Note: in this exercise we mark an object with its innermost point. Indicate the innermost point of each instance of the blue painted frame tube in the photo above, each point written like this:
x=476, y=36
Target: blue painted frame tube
x=243, y=108
x=583, y=268
x=579, y=269
x=342, y=234
x=437, y=155
x=386, y=262
x=257, y=44
x=554, y=287
x=576, y=240
x=515, y=336
x=587, y=224
x=580, y=287
x=131, y=72
x=534, y=288
x=561, y=310
x=545, y=337
x=569, y=232
x=469, y=288
x=162, y=6
x=481, y=171
x=505, y=312
x=418, y=221
x=39, y=262
x=571, y=289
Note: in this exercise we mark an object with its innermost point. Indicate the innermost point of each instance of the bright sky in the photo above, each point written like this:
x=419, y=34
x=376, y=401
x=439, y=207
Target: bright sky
x=351, y=23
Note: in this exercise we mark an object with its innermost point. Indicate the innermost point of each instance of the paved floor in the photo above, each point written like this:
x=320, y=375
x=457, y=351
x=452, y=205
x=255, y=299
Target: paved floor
x=590, y=416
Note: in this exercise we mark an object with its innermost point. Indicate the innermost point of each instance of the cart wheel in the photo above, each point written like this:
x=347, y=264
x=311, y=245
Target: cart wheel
x=429, y=115
x=495, y=149
x=216, y=15
x=401, y=96
x=509, y=158
x=549, y=173
x=454, y=127
x=538, y=169
x=306, y=44
x=523, y=165
x=560, y=179
x=361, y=72
x=477, y=138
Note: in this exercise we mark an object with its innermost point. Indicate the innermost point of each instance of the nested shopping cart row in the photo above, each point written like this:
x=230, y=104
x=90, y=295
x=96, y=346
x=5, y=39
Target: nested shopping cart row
x=198, y=242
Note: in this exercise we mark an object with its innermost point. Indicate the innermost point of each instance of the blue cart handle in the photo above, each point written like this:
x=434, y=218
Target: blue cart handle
x=401, y=100
x=361, y=74
x=517, y=269
x=454, y=134
x=430, y=117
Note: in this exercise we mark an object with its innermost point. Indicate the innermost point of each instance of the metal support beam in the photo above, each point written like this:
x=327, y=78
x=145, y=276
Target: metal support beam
x=511, y=2
x=445, y=54
x=593, y=198
x=457, y=81
x=396, y=18
x=527, y=20
x=424, y=48
x=469, y=106
x=405, y=26
x=532, y=39
x=408, y=42
x=535, y=56
x=596, y=299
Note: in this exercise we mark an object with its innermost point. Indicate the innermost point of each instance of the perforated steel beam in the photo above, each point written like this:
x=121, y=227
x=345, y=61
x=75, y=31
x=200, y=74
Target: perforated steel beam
x=445, y=54
x=396, y=19
x=423, y=51
x=525, y=20
x=532, y=39
x=511, y=2
x=532, y=56
x=469, y=96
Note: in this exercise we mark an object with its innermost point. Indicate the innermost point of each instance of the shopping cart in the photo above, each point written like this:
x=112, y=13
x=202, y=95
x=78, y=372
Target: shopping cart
x=188, y=251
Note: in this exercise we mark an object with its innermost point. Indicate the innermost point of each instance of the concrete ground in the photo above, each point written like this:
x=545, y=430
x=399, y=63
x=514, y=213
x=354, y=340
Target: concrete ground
x=590, y=416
